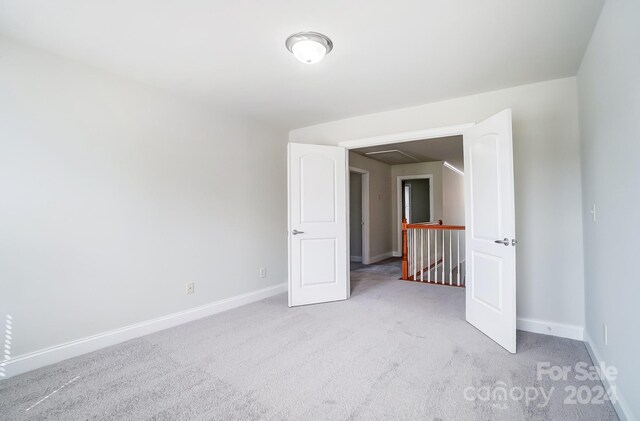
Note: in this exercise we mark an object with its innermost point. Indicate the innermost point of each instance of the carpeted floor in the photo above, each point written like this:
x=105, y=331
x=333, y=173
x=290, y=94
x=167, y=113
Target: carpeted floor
x=395, y=351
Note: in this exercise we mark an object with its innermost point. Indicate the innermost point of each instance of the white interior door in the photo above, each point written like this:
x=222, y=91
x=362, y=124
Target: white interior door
x=490, y=229
x=318, y=253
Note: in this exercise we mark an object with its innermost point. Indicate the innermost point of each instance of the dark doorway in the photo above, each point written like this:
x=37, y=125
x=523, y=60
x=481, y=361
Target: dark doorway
x=416, y=205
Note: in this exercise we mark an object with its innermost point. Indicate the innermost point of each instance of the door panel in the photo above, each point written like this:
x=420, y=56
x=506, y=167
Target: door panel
x=490, y=290
x=318, y=189
x=318, y=257
x=490, y=216
x=318, y=261
x=486, y=186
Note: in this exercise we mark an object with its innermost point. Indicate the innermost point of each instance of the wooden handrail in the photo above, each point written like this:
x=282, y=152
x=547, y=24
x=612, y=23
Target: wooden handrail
x=435, y=227
x=438, y=222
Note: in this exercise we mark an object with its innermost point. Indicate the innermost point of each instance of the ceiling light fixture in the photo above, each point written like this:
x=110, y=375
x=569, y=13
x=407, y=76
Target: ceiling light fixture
x=309, y=47
x=451, y=167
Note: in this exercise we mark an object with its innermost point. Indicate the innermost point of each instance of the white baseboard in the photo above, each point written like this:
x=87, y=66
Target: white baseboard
x=355, y=258
x=54, y=354
x=551, y=328
x=380, y=257
x=396, y=254
x=620, y=404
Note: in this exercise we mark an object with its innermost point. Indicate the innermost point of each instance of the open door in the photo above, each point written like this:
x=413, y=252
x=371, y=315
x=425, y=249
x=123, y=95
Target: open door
x=490, y=221
x=318, y=254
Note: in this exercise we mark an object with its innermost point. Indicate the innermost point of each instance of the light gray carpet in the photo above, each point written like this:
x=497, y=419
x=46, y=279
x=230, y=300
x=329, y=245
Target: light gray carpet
x=396, y=350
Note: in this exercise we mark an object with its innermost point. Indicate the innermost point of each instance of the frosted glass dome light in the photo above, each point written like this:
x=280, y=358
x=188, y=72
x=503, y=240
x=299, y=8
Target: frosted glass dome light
x=308, y=51
x=309, y=47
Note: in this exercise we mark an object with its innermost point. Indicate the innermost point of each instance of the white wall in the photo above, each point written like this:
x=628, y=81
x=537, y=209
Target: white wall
x=114, y=195
x=452, y=197
x=547, y=181
x=453, y=204
x=379, y=209
x=609, y=92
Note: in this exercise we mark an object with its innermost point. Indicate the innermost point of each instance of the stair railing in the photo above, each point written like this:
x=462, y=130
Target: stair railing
x=433, y=253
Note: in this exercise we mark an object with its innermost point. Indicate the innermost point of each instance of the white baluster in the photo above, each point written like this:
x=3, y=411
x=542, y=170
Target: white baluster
x=421, y=255
x=443, y=257
x=415, y=256
x=458, y=254
x=450, y=260
x=435, y=263
x=409, y=251
x=429, y=255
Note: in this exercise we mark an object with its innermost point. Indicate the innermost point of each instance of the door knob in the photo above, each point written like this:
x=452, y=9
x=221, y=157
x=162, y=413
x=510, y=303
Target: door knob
x=514, y=242
x=505, y=241
x=296, y=232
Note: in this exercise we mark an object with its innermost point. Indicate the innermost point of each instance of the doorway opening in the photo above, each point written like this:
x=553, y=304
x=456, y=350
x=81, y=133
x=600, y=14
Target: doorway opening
x=416, y=199
x=359, y=247
x=418, y=191
x=420, y=201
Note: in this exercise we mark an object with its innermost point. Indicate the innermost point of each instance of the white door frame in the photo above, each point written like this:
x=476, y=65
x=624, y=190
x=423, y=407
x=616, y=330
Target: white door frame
x=366, y=250
x=399, y=180
x=401, y=137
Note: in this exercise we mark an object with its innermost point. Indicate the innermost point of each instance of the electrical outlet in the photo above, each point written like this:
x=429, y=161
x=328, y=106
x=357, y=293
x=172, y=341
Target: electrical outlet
x=263, y=272
x=605, y=333
x=190, y=288
x=593, y=212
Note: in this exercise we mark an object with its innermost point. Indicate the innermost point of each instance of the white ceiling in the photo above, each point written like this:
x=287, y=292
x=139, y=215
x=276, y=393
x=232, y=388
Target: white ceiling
x=387, y=55
x=441, y=149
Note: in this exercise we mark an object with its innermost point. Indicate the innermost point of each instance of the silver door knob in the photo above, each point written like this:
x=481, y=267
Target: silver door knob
x=505, y=241
x=296, y=232
x=514, y=242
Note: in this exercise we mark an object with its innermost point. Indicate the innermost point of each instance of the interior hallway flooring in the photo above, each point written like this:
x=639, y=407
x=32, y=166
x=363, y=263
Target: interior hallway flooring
x=395, y=351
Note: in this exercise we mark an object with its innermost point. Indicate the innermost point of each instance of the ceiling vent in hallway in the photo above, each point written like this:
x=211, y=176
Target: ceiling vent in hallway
x=393, y=157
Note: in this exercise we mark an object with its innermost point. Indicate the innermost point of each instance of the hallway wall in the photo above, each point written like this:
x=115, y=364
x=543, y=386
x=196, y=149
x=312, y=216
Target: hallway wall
x=379, y=209
x=452, y=197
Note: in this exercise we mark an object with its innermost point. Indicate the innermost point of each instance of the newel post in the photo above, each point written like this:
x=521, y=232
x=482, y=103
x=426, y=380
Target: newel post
x=405, y=262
